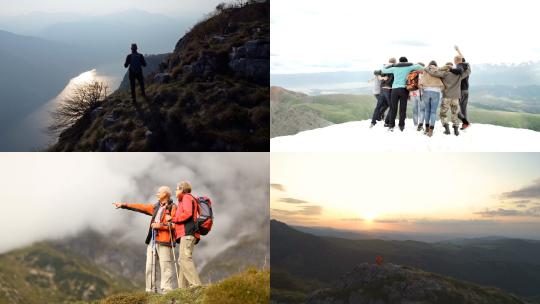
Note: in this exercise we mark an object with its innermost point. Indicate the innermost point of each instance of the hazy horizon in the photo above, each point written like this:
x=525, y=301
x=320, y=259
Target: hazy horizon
x=491, y=194
x=172, y=8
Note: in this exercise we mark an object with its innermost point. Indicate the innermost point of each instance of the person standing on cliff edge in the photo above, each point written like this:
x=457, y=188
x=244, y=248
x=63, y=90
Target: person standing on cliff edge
x=136, y=62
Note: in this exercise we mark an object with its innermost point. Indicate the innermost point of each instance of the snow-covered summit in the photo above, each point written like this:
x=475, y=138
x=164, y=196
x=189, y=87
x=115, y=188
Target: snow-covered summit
x=357, y=136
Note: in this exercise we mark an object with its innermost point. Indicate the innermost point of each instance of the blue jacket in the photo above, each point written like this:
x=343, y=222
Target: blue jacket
x=400, y=74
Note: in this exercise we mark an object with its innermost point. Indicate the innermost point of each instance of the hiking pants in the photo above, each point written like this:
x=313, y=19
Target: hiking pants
x=166, y=264
x=431, y=101
x=139, y=77
x=385, y=95
x=453, y=105
x=418, y=109
x=376, y=115
x=463, y=104
x=399, y=97
x=188, y=272
x=378, y=107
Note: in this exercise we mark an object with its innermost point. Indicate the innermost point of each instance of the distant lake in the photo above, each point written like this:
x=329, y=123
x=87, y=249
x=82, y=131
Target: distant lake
x=31, y=135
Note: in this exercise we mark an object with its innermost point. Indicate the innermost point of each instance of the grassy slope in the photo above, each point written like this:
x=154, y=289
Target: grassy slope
x=38, y=272
x=249, y=287
x=340, y=108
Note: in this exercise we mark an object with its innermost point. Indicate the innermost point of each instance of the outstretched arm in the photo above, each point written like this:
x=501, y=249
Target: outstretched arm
x=128, y=61
x=435, y=73
x=458, y=51
x=142, y=208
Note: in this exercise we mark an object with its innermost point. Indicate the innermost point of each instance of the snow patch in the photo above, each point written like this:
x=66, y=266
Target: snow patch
x=357, y=136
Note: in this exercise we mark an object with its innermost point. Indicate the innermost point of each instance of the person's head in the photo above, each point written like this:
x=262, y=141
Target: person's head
x=163, y=194
x=182, y=188
x=403, y=59
x=458, y=59
x=422, y=64
x=433, y=62
x=392, y=60
x=133, y=47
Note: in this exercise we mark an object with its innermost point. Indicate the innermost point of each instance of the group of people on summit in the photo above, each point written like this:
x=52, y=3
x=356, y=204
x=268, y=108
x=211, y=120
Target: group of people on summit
x=425, y=87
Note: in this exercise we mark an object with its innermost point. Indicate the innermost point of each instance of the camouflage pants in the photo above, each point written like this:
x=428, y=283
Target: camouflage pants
x=453, y=105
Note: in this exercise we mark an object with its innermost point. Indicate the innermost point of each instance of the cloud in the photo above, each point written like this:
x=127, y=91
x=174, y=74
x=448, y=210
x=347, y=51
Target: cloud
x=294, y=201
x=389, y=221
x=528, y=192
x=278, y=187
x=63, y=194
x=352, y=219
x=501, y=212
x=301, y=211
x=409, y=43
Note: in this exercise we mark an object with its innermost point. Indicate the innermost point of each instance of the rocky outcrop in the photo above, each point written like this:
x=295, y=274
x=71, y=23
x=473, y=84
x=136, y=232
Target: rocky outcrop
x=252, y=60
x=394, y=284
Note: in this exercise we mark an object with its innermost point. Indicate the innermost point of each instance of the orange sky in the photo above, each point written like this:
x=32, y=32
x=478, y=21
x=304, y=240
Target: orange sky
x=424, y=192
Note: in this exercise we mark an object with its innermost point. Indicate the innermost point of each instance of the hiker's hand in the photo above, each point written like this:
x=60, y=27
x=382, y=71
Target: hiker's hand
x=155, y=225
x=456, y=48
x=168, y=218
x=118, y=205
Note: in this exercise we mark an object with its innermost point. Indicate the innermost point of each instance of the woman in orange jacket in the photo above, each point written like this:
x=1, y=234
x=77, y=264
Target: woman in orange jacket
x=162, y=213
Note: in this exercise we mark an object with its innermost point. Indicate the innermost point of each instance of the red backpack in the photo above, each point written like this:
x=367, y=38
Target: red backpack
x=204, y=216
x=412, y=81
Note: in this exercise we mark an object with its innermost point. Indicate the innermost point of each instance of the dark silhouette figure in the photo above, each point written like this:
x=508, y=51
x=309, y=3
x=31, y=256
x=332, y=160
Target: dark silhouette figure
x=136, y=62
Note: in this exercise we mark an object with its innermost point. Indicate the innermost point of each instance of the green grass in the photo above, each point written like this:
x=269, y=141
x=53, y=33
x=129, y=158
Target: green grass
x=250, y=287
x=341, y=108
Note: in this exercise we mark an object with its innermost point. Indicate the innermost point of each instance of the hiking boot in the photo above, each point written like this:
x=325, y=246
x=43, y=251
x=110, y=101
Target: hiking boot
x=456, y=131
x=420, y=127
x=426, y=131
x=391, y=129
x=401, y=128
x=446, y=129
x=372, y=125
x=465, y=126
x=386, y=125
x=430, y=132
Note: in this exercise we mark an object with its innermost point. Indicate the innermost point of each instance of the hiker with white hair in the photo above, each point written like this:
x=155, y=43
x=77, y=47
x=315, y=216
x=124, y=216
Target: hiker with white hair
x=159, y=238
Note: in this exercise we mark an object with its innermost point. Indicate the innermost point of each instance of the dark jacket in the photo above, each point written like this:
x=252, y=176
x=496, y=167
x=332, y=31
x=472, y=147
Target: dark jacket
x=458, y=71
x=135, y=61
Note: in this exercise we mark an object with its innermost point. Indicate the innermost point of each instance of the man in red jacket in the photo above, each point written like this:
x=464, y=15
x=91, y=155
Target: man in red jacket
x=185, y=227
x=162, y=212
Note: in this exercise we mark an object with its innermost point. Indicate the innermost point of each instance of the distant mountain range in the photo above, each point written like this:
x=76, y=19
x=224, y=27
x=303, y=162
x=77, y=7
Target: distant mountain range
x=293, y=112
x=91, y=266
x=303, y=262
x=523, y=74
x=34, y=70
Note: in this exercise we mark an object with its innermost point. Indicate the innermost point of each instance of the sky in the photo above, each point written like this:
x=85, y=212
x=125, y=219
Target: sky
x=99, y=7
x=319, y=36
x=461, y=193
x=54, y=195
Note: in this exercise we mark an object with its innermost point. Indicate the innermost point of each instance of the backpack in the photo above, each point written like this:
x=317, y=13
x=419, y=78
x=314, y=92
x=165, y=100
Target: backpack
x=204, y=217
x=136, y=63
x=412, y=81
